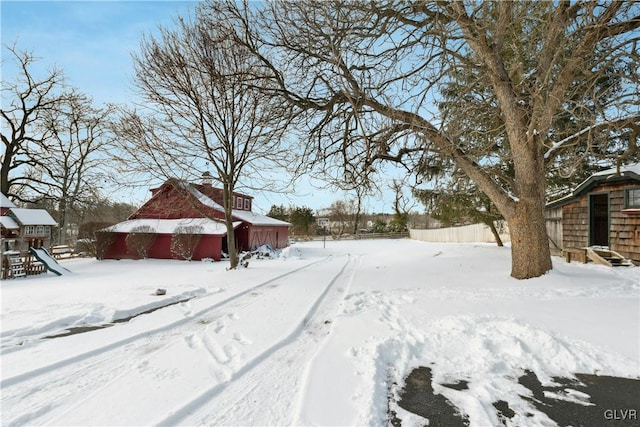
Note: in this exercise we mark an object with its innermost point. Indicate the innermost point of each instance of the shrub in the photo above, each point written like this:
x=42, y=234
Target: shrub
x=139, y=240
x=185, y=240
x=99, y=246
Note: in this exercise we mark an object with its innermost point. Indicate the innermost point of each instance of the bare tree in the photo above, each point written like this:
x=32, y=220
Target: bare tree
x=367, y=77
x=24, y=105
x=202, y=111
x=341, y=217
x=54, y=142
x=401, y=207
x=361, y=191
x=75, y=163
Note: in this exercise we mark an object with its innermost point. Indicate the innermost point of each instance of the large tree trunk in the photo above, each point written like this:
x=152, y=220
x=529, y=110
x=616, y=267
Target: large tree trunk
x=530, y=254
x=62, y=220
x=4, y=170
x=228, y=215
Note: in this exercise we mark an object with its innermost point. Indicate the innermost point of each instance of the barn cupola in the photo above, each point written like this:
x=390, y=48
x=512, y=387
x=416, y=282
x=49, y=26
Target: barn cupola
x=206, y=179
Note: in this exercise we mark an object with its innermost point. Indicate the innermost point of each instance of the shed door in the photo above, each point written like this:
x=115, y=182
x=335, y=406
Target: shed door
x=599, y=220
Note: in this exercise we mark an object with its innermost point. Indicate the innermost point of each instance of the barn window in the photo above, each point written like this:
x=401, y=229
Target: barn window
x=246, y=205
x=632, y=198
x=239, y=203
x=30, y=230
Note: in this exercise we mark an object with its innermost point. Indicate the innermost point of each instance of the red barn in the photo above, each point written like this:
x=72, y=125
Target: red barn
x=181, y=214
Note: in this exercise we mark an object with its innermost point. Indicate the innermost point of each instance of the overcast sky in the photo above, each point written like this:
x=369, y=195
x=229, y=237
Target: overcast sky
x=92, y=42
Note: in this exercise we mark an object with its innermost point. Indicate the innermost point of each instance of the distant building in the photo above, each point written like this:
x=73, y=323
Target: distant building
x=177, y=206
x=21, y=229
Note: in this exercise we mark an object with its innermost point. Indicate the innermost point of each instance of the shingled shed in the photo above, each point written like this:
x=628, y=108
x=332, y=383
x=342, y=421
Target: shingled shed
x=603, y=211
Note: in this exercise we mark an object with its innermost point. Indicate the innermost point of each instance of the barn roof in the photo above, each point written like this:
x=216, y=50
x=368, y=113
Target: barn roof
x=169, y=226
x=246, y=216
x=627, y=173
x=206, y=195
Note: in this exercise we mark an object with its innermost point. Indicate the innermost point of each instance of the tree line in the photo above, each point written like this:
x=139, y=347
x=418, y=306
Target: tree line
x=343, y=218
x=487, y=106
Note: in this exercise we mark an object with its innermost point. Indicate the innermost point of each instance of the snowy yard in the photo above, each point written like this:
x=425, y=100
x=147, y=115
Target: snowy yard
x=316, y=337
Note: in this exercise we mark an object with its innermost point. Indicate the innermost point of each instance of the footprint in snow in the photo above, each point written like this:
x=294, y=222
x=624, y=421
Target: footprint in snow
x=192, y=341
x=242, y=339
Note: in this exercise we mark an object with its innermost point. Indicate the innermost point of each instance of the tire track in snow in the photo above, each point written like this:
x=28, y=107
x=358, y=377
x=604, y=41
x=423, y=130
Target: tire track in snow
x=251, y=376
x=281, y=381
x=29, y=375
x=63, y=384
x=307, y=384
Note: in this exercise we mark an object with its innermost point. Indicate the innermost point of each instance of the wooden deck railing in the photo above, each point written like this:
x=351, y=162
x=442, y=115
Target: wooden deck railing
x=30, y=263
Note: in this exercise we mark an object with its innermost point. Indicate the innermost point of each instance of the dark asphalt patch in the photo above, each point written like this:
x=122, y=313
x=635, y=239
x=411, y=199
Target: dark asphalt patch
x=612, y=401
x=88, y=328
x=586, y=400
x=418, y=397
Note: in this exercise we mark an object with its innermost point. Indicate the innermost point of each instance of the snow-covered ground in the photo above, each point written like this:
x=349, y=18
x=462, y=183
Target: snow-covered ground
x=315, y=337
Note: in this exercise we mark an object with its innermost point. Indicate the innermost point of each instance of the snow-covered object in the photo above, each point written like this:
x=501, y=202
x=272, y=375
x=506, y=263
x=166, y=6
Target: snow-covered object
x=5, y=202
x=633, y=168
x=315, y=339
x=242, y=215
x=265, y=251
x=8, y=223
x=169, y=226
x=33, y=217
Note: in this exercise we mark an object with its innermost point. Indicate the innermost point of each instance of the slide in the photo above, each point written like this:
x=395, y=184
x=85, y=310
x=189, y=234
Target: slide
x=48, y=261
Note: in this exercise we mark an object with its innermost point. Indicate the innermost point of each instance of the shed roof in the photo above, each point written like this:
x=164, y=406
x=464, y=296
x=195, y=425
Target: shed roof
x=629, y=172
x=5, y=202
x=8, y=223
x=32, y=216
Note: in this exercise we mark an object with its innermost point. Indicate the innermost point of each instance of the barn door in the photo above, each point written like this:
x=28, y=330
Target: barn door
x=599, y=219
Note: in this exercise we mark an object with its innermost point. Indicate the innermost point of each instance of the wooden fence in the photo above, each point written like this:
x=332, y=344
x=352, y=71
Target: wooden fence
x=363, y=236
x=360, y=236
x=466, y=233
